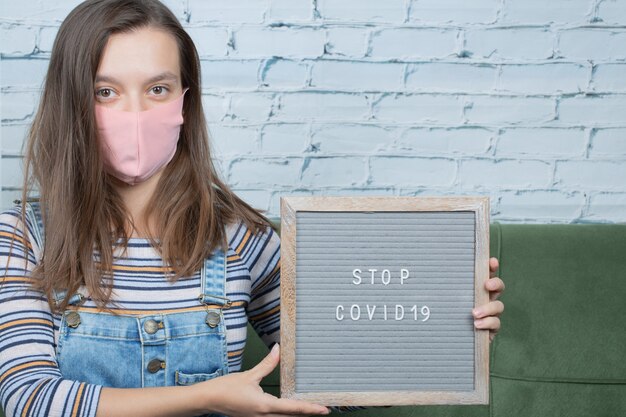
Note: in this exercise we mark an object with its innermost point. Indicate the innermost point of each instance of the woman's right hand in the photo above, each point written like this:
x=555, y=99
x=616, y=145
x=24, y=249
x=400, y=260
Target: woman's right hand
x=240, y=395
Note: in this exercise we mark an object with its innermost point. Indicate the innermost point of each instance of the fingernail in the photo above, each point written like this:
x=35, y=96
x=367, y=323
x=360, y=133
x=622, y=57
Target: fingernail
x=478, y=322
x=275, y=349
x=477, y=312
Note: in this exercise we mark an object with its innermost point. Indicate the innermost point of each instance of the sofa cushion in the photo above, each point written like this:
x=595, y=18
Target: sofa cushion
x=565, y=295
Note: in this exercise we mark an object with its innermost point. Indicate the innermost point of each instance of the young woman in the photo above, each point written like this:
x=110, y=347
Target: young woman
x=128, y=284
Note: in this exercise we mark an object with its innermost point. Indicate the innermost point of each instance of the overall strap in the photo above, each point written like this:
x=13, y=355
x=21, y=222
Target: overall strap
x=33, y=214
x=213, y=280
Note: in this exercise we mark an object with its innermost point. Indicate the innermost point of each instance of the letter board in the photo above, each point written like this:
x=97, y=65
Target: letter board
x=376, y=300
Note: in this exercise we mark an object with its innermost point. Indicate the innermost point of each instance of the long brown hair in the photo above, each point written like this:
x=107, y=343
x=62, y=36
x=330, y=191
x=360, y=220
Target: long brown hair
x=190, y=205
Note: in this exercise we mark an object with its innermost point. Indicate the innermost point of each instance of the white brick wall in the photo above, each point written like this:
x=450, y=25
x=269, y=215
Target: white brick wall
x=521, y=100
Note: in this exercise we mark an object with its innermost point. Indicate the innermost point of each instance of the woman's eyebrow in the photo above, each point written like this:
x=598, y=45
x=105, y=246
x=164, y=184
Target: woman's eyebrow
x=167, y=75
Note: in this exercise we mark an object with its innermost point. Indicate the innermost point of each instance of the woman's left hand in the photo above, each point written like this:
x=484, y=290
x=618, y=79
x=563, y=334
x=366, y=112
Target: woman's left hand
x=487, y=315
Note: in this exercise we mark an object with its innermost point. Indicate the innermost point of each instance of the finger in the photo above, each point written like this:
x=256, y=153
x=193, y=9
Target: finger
x=267, y=364
x=493, y=265
x=492, y=308
x=491, y=323
x=494, y=284
x=296, y=407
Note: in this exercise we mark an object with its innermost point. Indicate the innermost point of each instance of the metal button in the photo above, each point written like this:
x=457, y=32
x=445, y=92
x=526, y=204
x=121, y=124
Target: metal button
x=212, y=318
x=73, y=319
x=151, y=326
x=155, y=364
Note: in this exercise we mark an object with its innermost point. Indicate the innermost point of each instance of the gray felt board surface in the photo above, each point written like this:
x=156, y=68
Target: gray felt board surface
x=340, y=347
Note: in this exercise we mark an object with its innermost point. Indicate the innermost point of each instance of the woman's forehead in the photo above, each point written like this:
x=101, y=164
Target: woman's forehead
x=140, y=55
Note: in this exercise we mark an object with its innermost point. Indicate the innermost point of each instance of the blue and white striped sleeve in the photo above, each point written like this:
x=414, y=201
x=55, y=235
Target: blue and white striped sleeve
x=31, y=383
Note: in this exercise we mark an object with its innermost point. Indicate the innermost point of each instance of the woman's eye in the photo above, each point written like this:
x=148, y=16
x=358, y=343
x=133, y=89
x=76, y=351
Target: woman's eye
x=159, y=90
x=104, y=92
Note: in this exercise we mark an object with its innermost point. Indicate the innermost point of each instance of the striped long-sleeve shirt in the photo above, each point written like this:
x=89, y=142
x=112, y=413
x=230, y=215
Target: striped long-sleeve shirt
x=30, y=381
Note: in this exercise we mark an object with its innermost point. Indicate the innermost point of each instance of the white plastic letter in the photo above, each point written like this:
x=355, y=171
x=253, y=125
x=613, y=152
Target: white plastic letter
x=337, y=312
x=372, y=271
x=401, y=309
x=404, y=274
x=358, y=312
x=382, y=277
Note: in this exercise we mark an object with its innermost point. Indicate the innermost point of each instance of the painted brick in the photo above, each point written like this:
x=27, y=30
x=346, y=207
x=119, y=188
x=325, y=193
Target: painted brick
x=355, y=75
x=541, y=12
x=358, y=191
x=13, y=138
x=591, y=174
x=275, y=200
x=17, y=39
x=259, y=199
x=510, y=110
x=230, y=74
x=608, y=143
x=18, y=105
x=178, y=7
x=509, y=43
x=281, y=73
x=283, y=42
x=436, y=77
x=290, y=10
x=11, y=171
x=593, y=110
x=542, y=142
x=408, y=43
x=331, y=171
x=612, y=12
x=451, y=140
x=593, y=44
x=544, y=78
x=411, y=171
x=268, y=171
x=609, y=78
x=24, y=72
x=454, y=11
x=346, y=41
x=251, y=107
x=8, y=196
x=284, y=138
x=226, y=11
x=38, y=10
x=237, y=140
x=351, y=138
x=448, y=191
x=415, y=108
x=46, y=38
x=480, y=173
x=322, y=106
x=604, y=206
x=543, y=205
x=393, y=11
x=449, y=114
x=210, y=41
x=215, y=107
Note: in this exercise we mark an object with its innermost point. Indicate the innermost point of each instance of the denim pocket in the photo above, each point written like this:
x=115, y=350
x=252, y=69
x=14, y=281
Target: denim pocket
x=190, y=379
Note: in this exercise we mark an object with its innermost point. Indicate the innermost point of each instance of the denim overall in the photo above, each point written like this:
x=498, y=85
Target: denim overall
x=152, y=350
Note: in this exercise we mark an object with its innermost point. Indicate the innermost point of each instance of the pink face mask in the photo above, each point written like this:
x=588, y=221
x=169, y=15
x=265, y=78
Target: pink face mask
x=135, y=145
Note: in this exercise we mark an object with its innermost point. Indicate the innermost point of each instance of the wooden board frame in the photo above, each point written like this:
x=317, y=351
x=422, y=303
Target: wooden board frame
x=289, y=206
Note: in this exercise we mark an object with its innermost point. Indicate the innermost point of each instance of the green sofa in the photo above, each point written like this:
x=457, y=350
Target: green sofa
x=561, y=350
